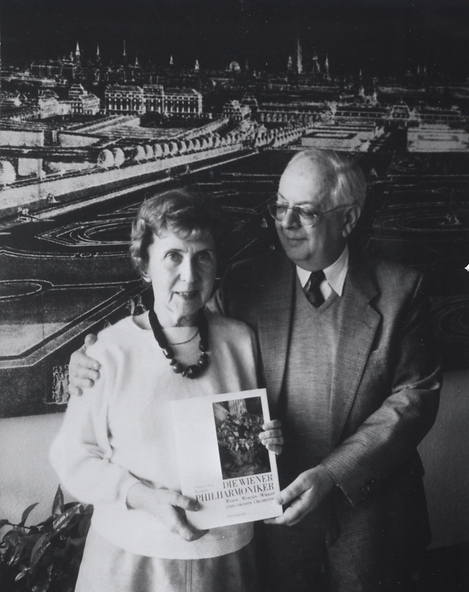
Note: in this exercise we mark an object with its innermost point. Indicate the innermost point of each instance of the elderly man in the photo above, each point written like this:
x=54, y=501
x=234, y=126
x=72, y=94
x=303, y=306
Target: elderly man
x=349, y=367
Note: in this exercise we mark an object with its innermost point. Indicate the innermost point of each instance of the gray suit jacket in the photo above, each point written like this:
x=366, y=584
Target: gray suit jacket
x=385, y=394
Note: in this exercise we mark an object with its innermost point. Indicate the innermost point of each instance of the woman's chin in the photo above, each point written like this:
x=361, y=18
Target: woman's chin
x=184, y=314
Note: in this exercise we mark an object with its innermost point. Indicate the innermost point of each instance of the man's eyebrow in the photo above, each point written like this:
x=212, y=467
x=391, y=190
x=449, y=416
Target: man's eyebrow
x=303, y=203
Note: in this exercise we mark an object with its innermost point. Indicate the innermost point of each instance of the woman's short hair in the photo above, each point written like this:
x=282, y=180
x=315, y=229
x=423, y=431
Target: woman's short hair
x=189, y=215
x=345, y=179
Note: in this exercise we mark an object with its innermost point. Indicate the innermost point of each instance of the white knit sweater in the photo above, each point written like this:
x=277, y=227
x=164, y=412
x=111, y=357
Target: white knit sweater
x=120, y=431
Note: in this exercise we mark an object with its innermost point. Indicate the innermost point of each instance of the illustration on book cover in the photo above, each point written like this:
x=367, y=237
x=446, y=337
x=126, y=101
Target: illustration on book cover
x=239, y=423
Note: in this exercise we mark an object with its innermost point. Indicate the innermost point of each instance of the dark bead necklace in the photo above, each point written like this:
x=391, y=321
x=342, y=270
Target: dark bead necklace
x=195, y=370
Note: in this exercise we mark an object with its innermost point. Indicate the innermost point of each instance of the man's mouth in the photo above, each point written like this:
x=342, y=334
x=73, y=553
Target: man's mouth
x=293, y=237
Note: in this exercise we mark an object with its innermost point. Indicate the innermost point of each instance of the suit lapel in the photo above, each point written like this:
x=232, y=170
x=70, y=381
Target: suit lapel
x=358, y=323
x=274, y=325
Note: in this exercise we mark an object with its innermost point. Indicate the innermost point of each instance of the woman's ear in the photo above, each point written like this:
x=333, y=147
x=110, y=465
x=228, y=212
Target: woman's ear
x=352, y=215
x=146, y=277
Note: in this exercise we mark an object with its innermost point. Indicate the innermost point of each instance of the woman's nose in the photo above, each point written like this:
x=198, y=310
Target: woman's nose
x=188, y=270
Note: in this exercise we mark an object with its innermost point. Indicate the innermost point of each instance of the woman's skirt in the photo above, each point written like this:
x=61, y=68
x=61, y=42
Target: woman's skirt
x=107, y=568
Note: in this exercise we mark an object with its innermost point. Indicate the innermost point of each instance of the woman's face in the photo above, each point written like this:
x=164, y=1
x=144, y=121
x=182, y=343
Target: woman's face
x=182, y=273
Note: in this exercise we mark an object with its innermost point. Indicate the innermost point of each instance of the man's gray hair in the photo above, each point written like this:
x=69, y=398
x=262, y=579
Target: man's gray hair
x=344, y=177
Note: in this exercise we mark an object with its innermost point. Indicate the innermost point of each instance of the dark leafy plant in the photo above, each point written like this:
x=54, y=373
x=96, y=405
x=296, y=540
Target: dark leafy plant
x=44, y=557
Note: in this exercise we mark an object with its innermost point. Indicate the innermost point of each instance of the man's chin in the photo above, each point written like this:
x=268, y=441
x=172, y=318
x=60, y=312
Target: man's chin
x=294, y=249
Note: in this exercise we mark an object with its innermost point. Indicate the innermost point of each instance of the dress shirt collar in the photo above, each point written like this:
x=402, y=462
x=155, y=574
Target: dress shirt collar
x=335, y=273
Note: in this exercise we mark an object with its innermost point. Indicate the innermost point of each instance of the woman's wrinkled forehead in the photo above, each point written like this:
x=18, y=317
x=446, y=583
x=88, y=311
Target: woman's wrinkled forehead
x=185, y=232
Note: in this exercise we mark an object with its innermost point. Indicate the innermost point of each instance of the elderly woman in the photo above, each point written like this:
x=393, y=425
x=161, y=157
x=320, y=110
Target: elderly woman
x=115, y=449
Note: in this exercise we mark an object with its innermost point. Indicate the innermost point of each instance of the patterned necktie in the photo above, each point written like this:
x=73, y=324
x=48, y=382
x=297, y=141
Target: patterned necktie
x=312, y=291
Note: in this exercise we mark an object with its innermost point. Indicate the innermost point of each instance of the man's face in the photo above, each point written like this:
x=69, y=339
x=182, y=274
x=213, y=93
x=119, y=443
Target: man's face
x=317, y=247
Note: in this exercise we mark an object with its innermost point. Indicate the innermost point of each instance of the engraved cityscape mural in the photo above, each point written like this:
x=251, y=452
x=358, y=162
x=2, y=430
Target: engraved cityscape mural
x=106, y=105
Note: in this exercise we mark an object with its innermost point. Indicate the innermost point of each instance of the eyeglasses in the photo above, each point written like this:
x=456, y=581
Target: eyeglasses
x=305, y=215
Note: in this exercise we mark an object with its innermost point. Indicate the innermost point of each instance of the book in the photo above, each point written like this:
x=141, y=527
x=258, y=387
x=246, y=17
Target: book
x=222, y=462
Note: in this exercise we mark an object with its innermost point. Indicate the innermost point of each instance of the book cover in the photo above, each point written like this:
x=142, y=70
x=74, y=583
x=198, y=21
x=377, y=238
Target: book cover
x=222, y=462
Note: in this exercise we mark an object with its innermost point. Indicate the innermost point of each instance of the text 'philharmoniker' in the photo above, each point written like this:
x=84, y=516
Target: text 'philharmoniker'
x=240, y=486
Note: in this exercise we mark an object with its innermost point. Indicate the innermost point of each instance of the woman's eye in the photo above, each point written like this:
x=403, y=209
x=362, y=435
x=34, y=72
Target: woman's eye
x=205, y=257
x=174, y=256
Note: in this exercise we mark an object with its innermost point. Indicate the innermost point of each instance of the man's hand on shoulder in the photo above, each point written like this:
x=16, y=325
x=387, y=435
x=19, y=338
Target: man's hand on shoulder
x=83, y=370
x=303, y=495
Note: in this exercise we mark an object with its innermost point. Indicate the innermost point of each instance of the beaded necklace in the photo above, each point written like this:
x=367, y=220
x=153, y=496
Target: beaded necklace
x=194, y=370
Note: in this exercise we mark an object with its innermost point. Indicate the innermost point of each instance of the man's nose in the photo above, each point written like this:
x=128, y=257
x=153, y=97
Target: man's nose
x=290, y=220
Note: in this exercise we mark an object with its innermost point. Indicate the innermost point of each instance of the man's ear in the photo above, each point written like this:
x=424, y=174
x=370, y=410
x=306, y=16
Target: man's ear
x=352, y=215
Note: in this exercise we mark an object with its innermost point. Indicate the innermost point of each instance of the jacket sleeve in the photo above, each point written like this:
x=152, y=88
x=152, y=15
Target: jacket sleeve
x=389, y=436
x=81, y=454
